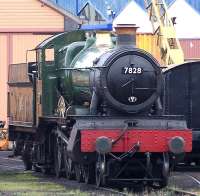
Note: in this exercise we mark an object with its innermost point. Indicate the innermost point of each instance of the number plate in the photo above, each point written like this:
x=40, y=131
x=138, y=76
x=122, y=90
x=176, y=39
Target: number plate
x=132, y=70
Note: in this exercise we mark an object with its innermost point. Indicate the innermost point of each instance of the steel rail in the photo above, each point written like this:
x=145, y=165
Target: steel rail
x=182, y=192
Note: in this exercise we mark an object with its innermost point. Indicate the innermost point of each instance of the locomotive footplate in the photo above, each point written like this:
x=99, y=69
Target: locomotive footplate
x=107, y=135
x=154, y=134
x=149, y=140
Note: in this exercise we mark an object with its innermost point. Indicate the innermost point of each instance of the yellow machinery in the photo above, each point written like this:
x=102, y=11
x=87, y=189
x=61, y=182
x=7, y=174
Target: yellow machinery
x=163, y=27
x=3, y=136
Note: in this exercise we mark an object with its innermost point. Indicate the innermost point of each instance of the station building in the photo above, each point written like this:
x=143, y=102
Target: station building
x=23, y=25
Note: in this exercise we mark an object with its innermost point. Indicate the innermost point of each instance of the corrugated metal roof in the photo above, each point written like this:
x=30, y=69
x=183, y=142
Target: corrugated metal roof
x=69, y=5
x=195, y=4
x=60, y=9
x=74, y=6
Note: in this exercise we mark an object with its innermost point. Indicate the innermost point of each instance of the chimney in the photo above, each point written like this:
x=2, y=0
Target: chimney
x=103, y=39
x=126, y=35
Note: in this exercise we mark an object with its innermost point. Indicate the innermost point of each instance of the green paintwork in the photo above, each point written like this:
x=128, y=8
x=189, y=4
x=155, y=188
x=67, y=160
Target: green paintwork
x=48, y=71
x=68, y=74
x=76, y=87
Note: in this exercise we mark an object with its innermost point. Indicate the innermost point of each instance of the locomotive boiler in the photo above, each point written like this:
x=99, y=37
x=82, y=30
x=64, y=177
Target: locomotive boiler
x=97, y=112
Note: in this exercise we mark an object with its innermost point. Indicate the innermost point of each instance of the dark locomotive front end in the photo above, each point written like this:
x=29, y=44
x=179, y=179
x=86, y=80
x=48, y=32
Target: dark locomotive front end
x=128, y=79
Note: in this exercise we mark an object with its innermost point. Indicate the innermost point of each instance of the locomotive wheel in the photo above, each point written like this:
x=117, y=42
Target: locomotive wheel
x=36, y=168
x=100, y=170
x=18, y=147
x=78, y=173
x=88, y=174
x=162, y=168
x=57, y=159
x=46, y=171
x=68, y=165
x=68, y=168
x=26, y=156
x=159, y=185
x=28, y=165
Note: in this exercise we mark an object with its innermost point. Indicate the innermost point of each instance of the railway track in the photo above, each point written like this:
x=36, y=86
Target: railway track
x=171, y=191
x=16, y=165
x=114, y=192
x=193, y=180
x=182, y=192
x=110, y=191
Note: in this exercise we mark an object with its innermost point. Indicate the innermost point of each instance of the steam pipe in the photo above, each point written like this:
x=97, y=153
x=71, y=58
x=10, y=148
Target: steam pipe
x=94, y=103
